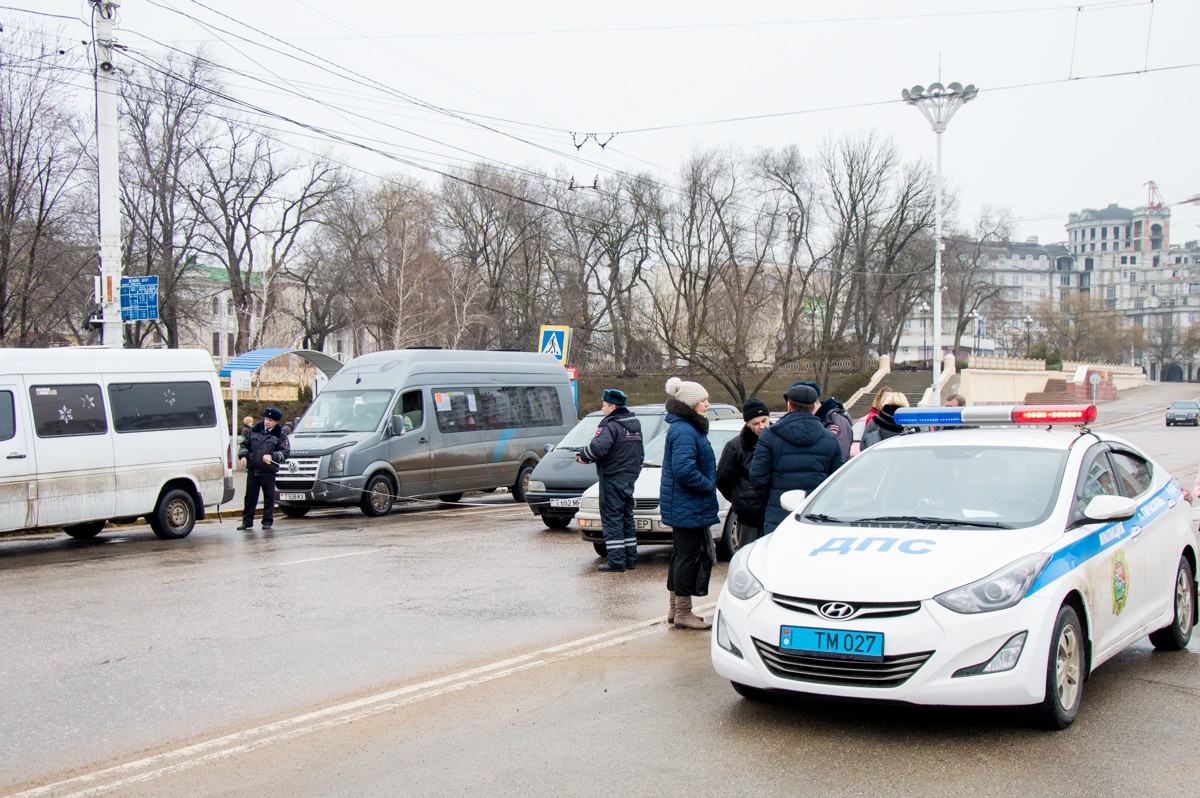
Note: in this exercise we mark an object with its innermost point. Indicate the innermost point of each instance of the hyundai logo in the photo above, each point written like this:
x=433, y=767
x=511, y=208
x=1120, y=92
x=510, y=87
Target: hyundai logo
x=836, y=610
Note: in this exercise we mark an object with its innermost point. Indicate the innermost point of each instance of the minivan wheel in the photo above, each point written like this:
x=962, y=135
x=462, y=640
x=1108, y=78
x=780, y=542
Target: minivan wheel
x=174, y=516
x=450, y=498
x=84, y=531
x=521, y=486
x=294, y=510
x=378, y=497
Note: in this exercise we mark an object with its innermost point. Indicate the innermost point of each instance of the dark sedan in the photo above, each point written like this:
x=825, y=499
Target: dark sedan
x=1185, y=411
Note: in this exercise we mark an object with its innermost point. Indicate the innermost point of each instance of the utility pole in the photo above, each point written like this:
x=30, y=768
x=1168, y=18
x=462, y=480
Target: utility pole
x=113, y=331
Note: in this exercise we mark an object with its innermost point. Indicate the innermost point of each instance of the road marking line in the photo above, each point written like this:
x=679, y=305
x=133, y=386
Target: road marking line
x=229, y=745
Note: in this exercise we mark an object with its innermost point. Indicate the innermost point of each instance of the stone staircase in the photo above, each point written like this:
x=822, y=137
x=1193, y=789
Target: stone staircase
x=1056, y=392
x=910, y=383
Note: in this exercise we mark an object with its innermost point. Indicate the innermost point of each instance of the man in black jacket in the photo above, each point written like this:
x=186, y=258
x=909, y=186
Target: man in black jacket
x=733, y=472
x=618, y=452
x=262, y=449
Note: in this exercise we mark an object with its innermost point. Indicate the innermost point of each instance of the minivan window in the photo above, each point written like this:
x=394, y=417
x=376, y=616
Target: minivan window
x=345, y=411
x=464, y=409
x=145, y=406
x=8, y=419
x=60, y=410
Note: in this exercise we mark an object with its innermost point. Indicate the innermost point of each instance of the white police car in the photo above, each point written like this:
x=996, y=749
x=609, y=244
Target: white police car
x=965, y=567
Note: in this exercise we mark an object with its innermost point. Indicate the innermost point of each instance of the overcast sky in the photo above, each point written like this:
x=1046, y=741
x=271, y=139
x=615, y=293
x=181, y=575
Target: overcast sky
x=1080, y=104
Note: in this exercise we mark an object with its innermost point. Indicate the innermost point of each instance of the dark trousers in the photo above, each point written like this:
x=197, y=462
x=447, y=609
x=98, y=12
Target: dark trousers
x=689, y=570
x=748, y=534
x=256, y=480
x=616, y=514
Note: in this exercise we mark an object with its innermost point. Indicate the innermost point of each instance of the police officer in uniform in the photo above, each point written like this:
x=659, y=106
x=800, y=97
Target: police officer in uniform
x=262, y=449
x=618, y=453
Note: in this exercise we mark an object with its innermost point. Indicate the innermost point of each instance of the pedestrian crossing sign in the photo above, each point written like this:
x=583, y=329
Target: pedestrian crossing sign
x=555, y=341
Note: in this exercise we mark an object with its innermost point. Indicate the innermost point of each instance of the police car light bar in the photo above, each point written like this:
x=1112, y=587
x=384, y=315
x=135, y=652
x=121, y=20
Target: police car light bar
x=995, y=414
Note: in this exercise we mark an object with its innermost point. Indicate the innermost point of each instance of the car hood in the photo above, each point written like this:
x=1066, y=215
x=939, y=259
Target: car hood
x=559, y=470
x=314, y=445
x=856, y=563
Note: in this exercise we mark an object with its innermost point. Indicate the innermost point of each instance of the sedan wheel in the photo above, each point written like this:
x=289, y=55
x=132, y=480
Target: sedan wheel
x=1176, y=636
x=1064, y=673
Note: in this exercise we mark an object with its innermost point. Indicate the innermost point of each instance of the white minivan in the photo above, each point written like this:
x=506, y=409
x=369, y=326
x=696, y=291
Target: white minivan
x=90, y=434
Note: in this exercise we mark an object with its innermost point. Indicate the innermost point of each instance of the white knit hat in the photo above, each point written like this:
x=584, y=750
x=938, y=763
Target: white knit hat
x=690, y=393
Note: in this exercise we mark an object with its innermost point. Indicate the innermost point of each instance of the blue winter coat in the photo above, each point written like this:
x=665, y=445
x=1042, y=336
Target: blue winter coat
x=794, y=453
x=688, y=491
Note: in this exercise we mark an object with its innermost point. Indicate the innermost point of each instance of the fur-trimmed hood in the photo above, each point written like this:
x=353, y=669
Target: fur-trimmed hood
x=688, y=414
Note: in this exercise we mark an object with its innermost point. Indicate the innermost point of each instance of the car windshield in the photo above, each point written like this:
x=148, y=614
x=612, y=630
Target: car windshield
x=961, y=486
x=1185, y=405
x=344, y=411
x=585, y=430
x=717, y=438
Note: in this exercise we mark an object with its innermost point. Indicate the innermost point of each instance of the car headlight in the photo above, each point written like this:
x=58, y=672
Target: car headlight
x=997, y=591
x=536, y=485
x=591, y=504
x=337, y=461
x=741, y=583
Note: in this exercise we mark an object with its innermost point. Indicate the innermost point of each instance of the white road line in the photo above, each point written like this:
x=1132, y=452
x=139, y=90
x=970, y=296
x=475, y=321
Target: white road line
x=218, y=748
x=320, y=559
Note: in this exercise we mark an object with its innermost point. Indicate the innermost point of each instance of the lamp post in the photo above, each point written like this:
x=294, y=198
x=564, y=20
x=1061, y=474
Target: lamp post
x=938, y=103
x=978, y=333
x=974, y=317
x=1028, y=336
x=924, y=331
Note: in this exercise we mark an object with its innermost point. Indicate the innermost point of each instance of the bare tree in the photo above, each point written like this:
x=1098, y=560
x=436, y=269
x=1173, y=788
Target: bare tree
x=968, y=282
x=42, y=262
x=253, y=205
x=163, y=116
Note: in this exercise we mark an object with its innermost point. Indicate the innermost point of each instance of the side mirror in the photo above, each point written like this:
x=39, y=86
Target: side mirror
x=1110, y=508
x=792, y=500
x=397, y=425
x=549, y=447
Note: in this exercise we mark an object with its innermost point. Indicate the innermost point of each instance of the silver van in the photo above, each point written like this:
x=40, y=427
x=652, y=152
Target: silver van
x=559, y=481
x=425, y=422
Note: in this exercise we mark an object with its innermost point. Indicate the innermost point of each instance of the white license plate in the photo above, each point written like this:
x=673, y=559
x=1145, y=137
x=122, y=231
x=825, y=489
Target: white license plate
x=292, y=497
x=641, y=523
x=566, y=502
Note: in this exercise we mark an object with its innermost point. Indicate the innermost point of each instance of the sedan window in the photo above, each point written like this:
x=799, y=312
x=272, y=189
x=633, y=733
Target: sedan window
x=1133, y=472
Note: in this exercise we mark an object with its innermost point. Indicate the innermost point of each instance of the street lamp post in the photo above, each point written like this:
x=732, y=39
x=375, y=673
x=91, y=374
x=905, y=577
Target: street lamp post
x=938, y=103
x=1028, y=336
x=974, y=317
x=924, y=330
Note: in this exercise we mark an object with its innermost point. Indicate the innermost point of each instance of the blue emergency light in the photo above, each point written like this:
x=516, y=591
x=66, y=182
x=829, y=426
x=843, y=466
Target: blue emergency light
x=995, y=414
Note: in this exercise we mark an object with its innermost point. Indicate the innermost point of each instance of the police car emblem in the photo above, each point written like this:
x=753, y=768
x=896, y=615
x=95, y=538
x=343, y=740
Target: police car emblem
x=1120, y=582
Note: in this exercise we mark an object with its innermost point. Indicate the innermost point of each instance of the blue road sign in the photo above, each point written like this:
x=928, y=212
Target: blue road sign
x=139, y=298
x=555, y=341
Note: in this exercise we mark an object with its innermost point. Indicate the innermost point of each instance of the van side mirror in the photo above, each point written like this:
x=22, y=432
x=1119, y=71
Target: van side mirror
x=397, y=425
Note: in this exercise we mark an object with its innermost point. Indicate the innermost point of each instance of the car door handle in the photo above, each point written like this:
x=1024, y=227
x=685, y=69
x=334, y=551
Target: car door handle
x=1133, y=533
x=422, y=440
x=1171, y=504
x=15, y=456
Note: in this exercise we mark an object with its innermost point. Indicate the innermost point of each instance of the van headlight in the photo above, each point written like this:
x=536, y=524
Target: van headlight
x=590, y=504
x=997, y=591
x=536, y=486
x=337, y=461
x=741, y=583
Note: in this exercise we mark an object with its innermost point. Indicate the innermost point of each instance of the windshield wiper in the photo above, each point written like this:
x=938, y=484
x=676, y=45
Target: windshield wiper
x=821, y=518
x=931, y=521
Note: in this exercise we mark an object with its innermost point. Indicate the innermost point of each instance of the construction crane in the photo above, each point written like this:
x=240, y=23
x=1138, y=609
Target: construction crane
x=1154, y=201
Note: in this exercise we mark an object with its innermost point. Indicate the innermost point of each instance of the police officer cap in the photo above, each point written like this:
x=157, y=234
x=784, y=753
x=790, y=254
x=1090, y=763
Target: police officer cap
x=273, y=413
x=614, y=397
x=802, y=393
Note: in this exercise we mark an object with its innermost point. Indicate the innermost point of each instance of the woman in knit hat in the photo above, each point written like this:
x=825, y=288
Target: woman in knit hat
x=688, y=496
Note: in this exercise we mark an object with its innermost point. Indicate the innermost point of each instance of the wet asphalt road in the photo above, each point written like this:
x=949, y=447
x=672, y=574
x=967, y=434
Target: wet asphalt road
x=452, y=651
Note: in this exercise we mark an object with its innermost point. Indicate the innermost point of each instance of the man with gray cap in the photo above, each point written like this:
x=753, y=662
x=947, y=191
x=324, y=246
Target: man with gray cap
x=261, y=451
x=617, y=452
x=794, y=453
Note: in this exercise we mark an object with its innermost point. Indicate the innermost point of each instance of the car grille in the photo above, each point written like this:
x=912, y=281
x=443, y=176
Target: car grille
x=645, y=504
x=862, y=609
x=299, y=474
x=891, y=671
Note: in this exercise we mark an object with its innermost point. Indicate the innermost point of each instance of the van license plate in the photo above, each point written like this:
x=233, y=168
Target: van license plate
x=292, y=497
x=566, y=502
x=832, y=643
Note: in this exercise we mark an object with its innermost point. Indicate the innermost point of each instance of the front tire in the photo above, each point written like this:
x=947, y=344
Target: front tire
x=521, y=486
x=294, y=510
x=556, y=521
x=1176, y=636
x=730, y=540
x=174, y=516
x=84, y=531
x=1064, y=673
x=378, y=496
x=450, y=498
x=750, y=693
x=601, y=550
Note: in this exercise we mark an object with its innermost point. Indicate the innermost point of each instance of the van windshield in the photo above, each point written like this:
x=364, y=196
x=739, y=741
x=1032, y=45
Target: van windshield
x=345, y=411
